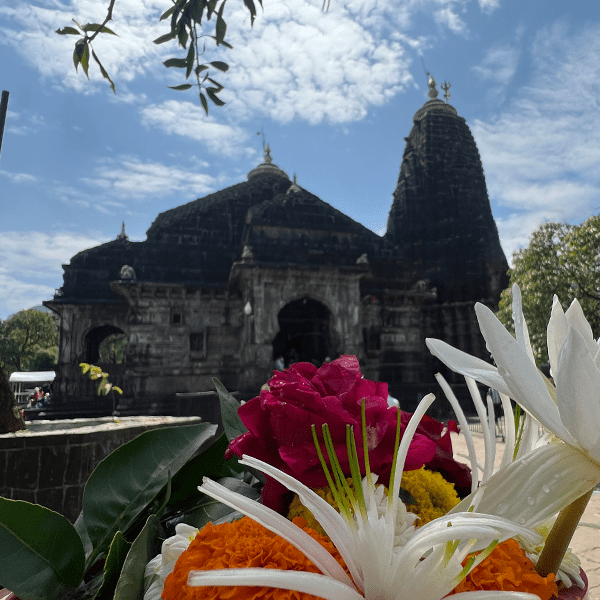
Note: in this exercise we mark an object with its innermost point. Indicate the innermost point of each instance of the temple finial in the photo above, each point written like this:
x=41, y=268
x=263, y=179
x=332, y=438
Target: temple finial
x=433, y=93
x=446, y=87
x=122, y=235
x=268, y=157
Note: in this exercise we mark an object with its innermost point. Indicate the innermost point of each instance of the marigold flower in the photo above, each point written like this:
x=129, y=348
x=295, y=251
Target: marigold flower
x=240, y=544
x=508, y=569
x=434, y=495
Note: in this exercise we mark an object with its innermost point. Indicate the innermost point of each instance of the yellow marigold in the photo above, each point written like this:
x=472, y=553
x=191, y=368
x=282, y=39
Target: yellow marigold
x=508, y=569
x=434, y=495
x=297, y=509
x=240, y=544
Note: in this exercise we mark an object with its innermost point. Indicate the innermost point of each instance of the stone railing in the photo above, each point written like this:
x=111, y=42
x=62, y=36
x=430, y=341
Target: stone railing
x=49, y=463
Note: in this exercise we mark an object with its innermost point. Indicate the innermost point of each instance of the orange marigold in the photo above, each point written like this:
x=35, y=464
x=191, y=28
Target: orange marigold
x=508, y=569
x=243, y=543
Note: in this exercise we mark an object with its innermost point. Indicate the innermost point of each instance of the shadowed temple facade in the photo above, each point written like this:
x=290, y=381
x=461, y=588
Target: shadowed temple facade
x=264, y=273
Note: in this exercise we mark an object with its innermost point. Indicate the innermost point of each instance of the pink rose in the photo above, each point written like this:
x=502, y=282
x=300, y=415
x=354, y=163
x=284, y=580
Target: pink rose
x=279, y=425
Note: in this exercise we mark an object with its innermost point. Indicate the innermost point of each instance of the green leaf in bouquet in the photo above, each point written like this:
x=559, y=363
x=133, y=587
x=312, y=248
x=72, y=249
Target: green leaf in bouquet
x=119, y=547
x=83, y=535
x=210, y=463
x=42, y=553
x=131, y=582
x=129, y=479
x=209, y=510
x=229, y=412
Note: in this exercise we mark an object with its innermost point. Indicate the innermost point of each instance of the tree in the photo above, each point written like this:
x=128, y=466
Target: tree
x=561, y=259
x=10, y=416
x=26, y=335
x=185, y=27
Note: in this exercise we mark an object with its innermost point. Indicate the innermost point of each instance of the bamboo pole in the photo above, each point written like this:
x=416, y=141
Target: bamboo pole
x=3, y=111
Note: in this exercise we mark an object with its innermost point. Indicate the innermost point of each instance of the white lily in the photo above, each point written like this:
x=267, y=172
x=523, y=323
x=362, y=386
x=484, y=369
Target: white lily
x=548, y=478
x=383, y=565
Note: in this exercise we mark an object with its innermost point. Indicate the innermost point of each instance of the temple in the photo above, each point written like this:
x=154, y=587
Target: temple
x=263, y=274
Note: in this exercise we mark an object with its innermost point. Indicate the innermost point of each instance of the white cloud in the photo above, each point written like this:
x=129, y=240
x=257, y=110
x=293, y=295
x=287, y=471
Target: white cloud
x=23, y=262
x=296, y=63
x=489, y=6
x=128, y=177
x=188, y=120
x=541, y=155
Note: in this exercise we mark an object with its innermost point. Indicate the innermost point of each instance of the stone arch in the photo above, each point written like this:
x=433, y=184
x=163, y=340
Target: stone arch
x=94, y=338
x=304, y=332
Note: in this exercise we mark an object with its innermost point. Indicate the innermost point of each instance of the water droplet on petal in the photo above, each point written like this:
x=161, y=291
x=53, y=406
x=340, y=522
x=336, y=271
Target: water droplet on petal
x=545, y=489
x=530, y=501
x=522, y=520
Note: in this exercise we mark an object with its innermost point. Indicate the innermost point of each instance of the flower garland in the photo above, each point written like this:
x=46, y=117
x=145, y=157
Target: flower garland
x=508, y=569
x=241, y=544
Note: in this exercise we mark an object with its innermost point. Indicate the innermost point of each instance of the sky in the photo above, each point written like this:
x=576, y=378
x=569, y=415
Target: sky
x=333, y=93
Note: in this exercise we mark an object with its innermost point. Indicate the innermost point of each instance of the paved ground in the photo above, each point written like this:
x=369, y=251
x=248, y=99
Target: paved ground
x=586, y=541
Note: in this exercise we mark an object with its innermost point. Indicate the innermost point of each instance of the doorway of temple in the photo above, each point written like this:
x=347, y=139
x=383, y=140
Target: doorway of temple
x=304, y=333
x=105, y=345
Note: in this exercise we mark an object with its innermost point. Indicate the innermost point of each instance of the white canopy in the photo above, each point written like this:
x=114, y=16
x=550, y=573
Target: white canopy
x=32, y=377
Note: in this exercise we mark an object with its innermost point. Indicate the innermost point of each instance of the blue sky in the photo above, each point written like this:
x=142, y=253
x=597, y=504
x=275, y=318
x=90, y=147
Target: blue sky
x=333, y=92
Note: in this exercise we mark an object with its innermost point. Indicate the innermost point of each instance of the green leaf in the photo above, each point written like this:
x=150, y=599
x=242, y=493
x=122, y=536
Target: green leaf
x=182, y=36
x=223, y=43
x=83, y=535
x=211, y=510
x=184, y=86
x=41, y=551
x=129, y=479
x=131, y=582
x=165, y=38
x=180, y=63
x=212, y=4
x=119, y=547
x=68, y=31
x=199, y=69
x=204, y=102
x=78, y=52
x=112, y=87
x=229, y=412
x=212, y=94
x=197, y=10
x=250, y=6
x=219, y=86
x=221, y=29
x=167, y=13
x=217, y=64
x=96, y=27
x=189, y=59
x=85, y=60
x=210, y=463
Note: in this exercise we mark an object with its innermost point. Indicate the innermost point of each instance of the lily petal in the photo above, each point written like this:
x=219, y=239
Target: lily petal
x=577, y=319
x=557, y=331
x=278, y=524
x=578, y=393
x=300, y=581
x=537, y=486
x=524, y=381
x=329, y=519
x=521, y=331
x=468, y=365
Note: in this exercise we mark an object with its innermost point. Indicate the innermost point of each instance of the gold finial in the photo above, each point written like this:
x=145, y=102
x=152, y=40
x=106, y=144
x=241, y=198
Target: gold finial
x=433, y=93
x=446, y=87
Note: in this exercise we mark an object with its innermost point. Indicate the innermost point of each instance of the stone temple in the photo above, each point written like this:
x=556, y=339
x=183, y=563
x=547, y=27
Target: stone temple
x=264, y=271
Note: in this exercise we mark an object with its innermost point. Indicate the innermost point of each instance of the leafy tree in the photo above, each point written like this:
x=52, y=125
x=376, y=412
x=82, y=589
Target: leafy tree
x=561, y=259
x=185, y=17
x=25, y=335
x=10, y=417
